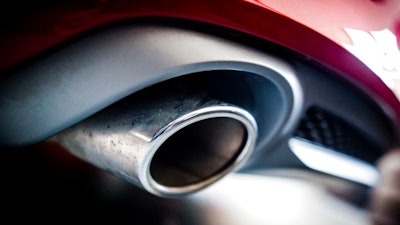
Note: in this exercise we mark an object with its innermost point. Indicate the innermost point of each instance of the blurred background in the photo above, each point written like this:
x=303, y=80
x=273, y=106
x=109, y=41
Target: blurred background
x=46, y=185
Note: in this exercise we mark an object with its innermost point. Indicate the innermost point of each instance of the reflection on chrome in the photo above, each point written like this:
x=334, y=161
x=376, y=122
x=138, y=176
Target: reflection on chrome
x=334, y=163
x=170, y=146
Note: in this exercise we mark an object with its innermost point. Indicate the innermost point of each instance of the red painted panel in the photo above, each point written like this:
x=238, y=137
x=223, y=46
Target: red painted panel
x=310, y=27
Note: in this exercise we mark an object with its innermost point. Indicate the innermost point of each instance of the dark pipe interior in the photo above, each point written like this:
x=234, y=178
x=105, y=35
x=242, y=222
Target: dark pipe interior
x=198, y=152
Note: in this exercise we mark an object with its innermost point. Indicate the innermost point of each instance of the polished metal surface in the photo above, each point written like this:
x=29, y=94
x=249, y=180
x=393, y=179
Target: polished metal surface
x=170, y=146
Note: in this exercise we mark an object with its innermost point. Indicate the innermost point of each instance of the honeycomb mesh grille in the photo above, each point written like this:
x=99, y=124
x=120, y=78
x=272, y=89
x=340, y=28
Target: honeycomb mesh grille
x=326, y=129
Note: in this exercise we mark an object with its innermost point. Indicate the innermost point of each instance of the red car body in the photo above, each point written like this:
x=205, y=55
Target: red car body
x=301, y=26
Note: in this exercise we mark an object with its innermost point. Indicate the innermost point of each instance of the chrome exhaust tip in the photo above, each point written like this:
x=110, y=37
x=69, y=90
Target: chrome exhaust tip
x=170, y=147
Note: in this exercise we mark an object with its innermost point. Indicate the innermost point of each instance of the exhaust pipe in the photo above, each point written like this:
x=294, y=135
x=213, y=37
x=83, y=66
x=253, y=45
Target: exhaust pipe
x=170, y=147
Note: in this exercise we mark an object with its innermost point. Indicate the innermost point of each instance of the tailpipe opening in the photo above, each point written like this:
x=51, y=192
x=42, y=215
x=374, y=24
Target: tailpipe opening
x=198, y=152
x=171, y=146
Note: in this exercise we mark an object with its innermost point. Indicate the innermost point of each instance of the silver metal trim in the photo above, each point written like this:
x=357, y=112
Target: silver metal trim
x=334, y=163
x=92, y=73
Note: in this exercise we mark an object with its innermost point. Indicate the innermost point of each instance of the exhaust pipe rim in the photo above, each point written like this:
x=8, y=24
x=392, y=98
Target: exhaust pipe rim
x=125, y=140
x=210, y=112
